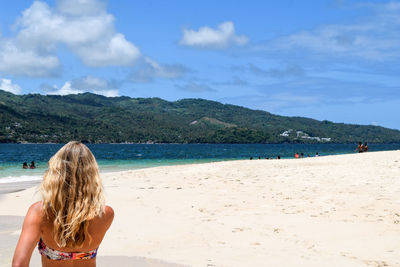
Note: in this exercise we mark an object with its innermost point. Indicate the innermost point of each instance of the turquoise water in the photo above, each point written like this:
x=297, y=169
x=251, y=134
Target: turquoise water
x=117, y=157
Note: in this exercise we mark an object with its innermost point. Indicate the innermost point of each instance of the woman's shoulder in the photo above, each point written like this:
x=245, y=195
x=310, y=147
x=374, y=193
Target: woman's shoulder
x=35, y=214
x=36, y=209
x=107, y=216
x=103, y=221
x=109, y=213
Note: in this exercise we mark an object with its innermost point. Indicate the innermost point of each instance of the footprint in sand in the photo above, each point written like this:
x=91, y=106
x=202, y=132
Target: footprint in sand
x=376, y=263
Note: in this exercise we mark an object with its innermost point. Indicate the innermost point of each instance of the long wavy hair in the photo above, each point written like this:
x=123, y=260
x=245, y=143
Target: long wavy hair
x=72, y=194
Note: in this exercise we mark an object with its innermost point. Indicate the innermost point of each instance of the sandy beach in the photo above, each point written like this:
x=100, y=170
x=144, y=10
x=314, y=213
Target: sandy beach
x=339, y=210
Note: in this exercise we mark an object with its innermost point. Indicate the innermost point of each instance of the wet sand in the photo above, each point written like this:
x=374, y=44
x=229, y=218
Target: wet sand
x=16, y=187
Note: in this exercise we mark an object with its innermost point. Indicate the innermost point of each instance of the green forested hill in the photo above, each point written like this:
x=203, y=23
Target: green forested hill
x=98, y=119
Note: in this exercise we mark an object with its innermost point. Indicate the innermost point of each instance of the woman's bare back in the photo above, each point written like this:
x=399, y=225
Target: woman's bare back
x=97, y=229
x=44, y=230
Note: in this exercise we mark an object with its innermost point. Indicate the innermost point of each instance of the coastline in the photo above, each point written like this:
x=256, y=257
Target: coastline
x=121, y=157
x=321, y=211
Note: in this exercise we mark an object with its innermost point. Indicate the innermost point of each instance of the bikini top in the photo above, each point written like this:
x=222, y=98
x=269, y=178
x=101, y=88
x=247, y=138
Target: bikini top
x=53, y=254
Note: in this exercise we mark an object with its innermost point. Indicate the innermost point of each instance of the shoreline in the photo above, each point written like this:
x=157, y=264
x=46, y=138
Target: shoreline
x=129, y=158
x=13, y=187
x=9, y=187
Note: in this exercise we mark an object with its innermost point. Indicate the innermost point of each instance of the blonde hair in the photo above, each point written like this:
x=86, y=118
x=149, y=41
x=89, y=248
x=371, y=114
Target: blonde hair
x=72, y=193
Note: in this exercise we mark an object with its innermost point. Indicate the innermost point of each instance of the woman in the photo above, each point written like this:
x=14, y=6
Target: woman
x=70, y=222
x=25, y=165
x=365, y=147
x=360, y=147
x=32, y=166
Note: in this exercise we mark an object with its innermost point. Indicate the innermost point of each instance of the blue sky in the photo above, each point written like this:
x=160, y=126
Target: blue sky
x=333, y=60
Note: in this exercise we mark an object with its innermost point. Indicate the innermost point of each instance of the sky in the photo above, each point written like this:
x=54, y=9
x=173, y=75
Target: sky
x=328, y=60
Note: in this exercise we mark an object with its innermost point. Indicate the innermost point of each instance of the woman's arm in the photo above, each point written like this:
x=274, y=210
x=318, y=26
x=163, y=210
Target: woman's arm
x=29, y=236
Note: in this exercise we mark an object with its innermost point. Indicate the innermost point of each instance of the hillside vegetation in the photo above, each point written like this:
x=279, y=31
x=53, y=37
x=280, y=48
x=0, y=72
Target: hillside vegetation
x=98, y=119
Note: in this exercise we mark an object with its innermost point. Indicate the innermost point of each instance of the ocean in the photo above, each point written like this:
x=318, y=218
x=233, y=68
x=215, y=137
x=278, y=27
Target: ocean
x=119, y=157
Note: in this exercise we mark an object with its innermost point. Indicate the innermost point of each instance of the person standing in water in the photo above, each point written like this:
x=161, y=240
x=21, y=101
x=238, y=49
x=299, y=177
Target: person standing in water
x=365, y=147
x=32, y=166
x=360, y=147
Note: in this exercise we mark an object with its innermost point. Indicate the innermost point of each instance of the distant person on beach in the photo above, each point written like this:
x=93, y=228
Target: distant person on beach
x=316, y=154
x=360, y=147
x=365, y=147
x=32, y=166
x=279, y=157
x=70, y=221
x=25, y=165
x=296, y=155
x=302, y=155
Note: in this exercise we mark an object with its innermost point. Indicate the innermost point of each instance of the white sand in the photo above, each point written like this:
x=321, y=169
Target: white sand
x=327, y=211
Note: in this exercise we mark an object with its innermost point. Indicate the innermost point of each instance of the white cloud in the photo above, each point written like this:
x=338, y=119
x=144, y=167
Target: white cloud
x=7, y=85
x=19, y=61
x=81, y=25
x=87, y=30
x=221, y=37
x=115, y=52
x=148, y=70
x=84, y=84
x=96, y=85
x=89, y=82
x=108, y=93
x=66, y=89
x=374, y=38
